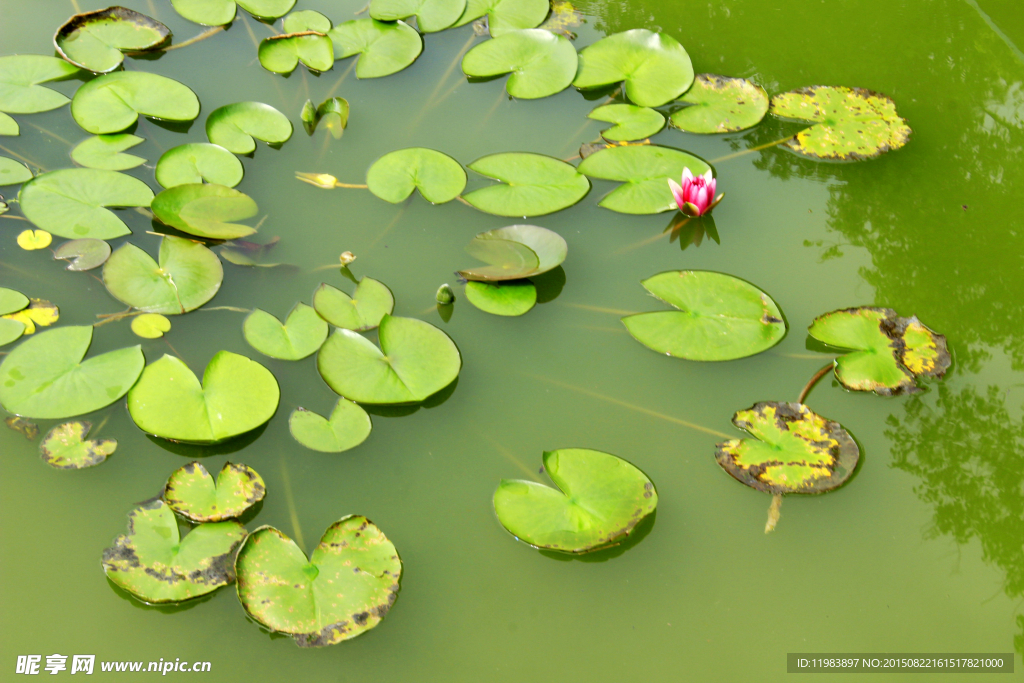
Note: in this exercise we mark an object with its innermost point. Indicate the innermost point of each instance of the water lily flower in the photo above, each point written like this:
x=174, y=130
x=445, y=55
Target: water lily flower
x=324, y=180
x=696, y=196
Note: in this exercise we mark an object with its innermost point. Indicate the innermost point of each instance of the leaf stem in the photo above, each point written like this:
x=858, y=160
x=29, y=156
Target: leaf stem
x=191, y=41
x=814, y=380
x=744, y=152
x=23, y=159
x=774, y=512
x=74, y=3
x=290, y=499
x=597, y=309
x=444, y=79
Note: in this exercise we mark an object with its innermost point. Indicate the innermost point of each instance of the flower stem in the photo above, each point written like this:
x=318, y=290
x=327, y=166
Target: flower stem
x=814, y=380
x=774, y=512
x=202, y=36
x=744, y=152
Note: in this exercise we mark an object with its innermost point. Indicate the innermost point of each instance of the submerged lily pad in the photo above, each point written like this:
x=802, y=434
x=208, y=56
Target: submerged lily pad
x=631, y=122
x=187, y=276
x=599, y=500
x=20, y=76
x=362, y=311
x=45, y=377
x=234, y=126
x=196, y=162
x=105, y=152
x=302, y=334
x=383, y=48
x=282, y=53
x=849, y=124
x=644, y=171
x=505, y=15
x=531, y=184
x=28, y=429
x=431, y=15
x=220, y=12
x=719, y=104
x=345, y=588
x=720, y=317
x=155, y=564
x=83, y=254
x=512, y=298
x=415, y=360
x=114, y=101
x=515, y=252
x=237, y=395
x=66, y=448
x=653, y=67
x=14, y=172
x=889, y=352
x=150, y=325
x=192, y=493
x=95, y=40
x=205, y=210
x=794, y=450
x=333, y=111
x=348, y=426
x=72, y=202
x=395, y=176
x=540, y=62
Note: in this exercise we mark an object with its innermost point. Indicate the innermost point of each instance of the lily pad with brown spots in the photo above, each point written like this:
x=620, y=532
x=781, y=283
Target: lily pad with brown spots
x=192, y=493
x=66, y=448
x=719, y=104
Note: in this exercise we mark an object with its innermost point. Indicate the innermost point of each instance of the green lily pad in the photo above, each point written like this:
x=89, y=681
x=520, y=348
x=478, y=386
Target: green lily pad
x=531, y=184
x=155, y=564
x=362, y=311
x=437, y=176
x=333, y=111
x=237, y=395
x=653, y=67
x=511, y=298
x=794, y=450
x=415, y=361
x=72, y=202
x=302, y=334
x=40, y=312
x=45, y=377
x=66, y=448
x=196, y=162
x=306, y=20
x=631, y=122
x=345, y=588
x=114, y=101
x=14, y=172
x=431, y=15
x=505, y=15
x=105, y=152
x=10, y=330
x=515, y=252
x=205, y=210
x=187, y=276
x=644, y=171
x=8, y=126
x=12, y=301
x=348, y=426
x=192, y=493
x=384, y=48
x=282, y=53
x=20, y=76
x=95, y=40
x=234, y=126
x=540, y=62
x=220, y=12
x=83, y=254
x=889, y=352
x=849, y=124
x=719, y=104
x=720, y=317
x=150, y=325
x=599, y=500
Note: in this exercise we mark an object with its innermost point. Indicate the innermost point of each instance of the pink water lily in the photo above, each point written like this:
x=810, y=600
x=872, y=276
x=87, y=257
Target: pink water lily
x=696, y=196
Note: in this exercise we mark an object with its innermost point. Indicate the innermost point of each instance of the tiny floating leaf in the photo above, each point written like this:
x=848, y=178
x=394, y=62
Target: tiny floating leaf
x=187, y=276
x=95, y=40
x=719, y=104
x=234, y=126
x=539, y=62
x=114, y=101
x=32, y=240
x=654, y=67
x=150, y=325
x=197, y=162
x=105, y=152
x=302, y=334
x=362, y=311
x=348, y=426
x=66, y=448
x=395, y=176
x=531, y=184
x=192, y=493
x=631, y=122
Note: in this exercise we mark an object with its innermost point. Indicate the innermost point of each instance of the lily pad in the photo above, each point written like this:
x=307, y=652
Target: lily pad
x=362, y=311
x=234, y=126
x=150, y=325
x=889, y=352
x=644, y=171
x=114, y=101
x=83, y=254
x=599, y=500
x=531, y=184
x=192, y=493
x=653, y=67
x=11, y=301
x=719, y=104
x=14, y=172
x=20, y=76
x=384, y=48
x=505, y=15
x=515, y=252
x=105, y=152
x=95, y=40
x=631, y=122
x=33, y=240
x=155, y=564
x=302, y=334
x=282, y=53
x=10, y=330
x=205, y=210
x=437, y=176
x=345, y=588
x=415, y=361
x=306, y=20
x=793, y=450
x=511, y=299
x=8, y=126
x=66, y=448
x=431, y=15
x=196, y=162
x=39, y=312
x=333, y=111
x=348, y=426
x=720, y=317
x=45, y=377
x=187, y=276
x=849, y=124
x=72, y=202
x=540, y=62
x=237, y=395
x=220, y=12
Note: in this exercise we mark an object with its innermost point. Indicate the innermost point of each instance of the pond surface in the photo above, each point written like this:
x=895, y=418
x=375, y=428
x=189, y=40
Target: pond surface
x=920, y=552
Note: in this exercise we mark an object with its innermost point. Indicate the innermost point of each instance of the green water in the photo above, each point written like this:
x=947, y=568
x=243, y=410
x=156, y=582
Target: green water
x=920, y=552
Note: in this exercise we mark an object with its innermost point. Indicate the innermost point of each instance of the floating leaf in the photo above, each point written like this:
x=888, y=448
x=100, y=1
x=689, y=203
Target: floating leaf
x=11, y=301
x=437, y=176
x=505, y=15
x=192, y=493
x=95, y=40
x=654, y=67
x=334, y=111
x=83, y=254
x=540, y=63
x=431, y=15
x=348, y=427
x=150, y=325
x=644, y=171
x=45, y=377
x=10, y=330
x=114, y=101
x=362, y=311
x=187, y=276
x=237, y=395
x=104, y=152
x=31, y=240
x=384, y=48
x=531, y=184
x=20, y=76
x=302, y=334
x=66, y=448
x=282, y=53
x=39, y=312
x=631, y=122
x=599, y=500
x=197, y=162
x=220, y=12
x=8, y=126
x=156, y=565
x=14, y=172
x=30, y=430
x=72, y=202
x=849, y=124
x=415, y=360
x=719, y=104
x=205, y=210
x=514, y=252
x=511, y=298
x=306, y=20
x=234, y=126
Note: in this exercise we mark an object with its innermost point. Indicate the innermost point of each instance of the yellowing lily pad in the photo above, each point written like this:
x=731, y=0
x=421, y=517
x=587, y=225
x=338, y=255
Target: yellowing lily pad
x=40, y=312
x=192, y=493
x=66, y=448
x=31, y=240
x=719, y=104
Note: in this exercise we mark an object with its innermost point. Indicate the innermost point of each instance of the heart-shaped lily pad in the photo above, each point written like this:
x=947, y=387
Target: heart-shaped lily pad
x=415, y=360
x=72, y=202
x=192, y=493
x=187, y=276
x=33, y=240
x=395, y=176
x=95, y=40
x=45, y=377
x=83, y=254
x=889, y=352
x=282, y=53
x=654, y=67
x=302, y=334
x=719, y=104
x=234, y=126
x=383, y=48
x=515, y=252
x=105, y=152
x=599, y=500
x=720, y=317
x=333, y=112
x=512, y=298
x=540, y=62
x=155, y=564
x=20, y=76
x=431, y=15
x=531, y=184
x=114, y=101
x=306, y=20
x=237, y=395
x=196, y=162
x=205, y=210
x=150, y=325
x=14, y=172
x=66, y=448
x=848, y=124
x=631, y=122
x=348, y=426
x=362, y=311
x=644, y=171
x=794, y=450
x=220, y=12
x=505, y=15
